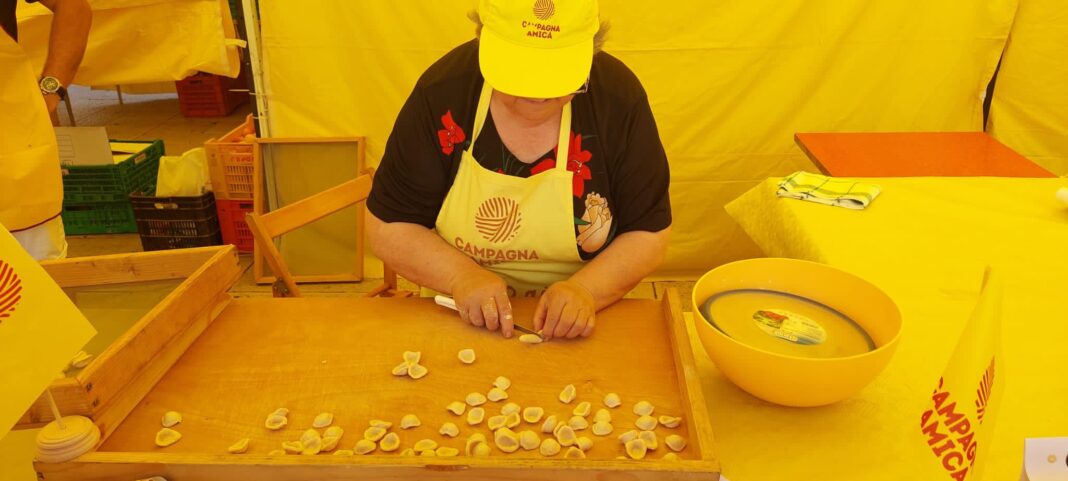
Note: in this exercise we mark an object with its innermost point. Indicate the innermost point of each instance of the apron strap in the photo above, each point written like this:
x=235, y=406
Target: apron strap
x=481, y=110
x=562, y=143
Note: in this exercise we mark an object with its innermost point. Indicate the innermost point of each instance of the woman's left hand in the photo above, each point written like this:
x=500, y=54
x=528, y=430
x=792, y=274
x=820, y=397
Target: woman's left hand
x=566, y=309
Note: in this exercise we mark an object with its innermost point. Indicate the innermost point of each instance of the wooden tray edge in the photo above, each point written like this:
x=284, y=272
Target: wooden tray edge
x=689, y=382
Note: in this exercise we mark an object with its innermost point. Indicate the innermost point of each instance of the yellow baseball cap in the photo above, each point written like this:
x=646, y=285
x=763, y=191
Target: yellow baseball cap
x=537, y=48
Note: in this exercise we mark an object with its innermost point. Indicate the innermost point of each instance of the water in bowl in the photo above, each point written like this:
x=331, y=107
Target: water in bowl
x=785, y=324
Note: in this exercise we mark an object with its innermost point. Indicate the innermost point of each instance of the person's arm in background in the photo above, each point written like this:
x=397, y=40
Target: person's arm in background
x=71, y=20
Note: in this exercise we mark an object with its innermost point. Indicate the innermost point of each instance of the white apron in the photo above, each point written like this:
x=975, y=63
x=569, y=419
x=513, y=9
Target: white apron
x=522, y=229
x=31, y=186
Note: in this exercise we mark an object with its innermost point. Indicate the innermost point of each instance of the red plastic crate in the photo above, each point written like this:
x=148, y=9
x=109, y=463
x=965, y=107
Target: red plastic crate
x=232, y=221
x=208, y=95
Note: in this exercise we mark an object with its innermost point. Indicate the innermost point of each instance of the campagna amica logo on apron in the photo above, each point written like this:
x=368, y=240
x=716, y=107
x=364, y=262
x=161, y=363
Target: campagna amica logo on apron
x=10, y=290
x=498, y=219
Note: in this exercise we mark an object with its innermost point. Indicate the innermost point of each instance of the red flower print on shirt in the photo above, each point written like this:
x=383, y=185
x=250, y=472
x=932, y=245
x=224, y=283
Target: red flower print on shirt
x=452, y=134
x=576, y=162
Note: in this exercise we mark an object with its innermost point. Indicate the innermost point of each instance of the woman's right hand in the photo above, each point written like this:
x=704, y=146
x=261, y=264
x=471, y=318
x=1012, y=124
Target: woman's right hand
x=482, y=299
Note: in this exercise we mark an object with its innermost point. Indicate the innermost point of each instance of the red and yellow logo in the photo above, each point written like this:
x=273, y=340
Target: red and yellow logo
x=10, y=290
x=950, y=428
x=544, y=9
x=498, y=219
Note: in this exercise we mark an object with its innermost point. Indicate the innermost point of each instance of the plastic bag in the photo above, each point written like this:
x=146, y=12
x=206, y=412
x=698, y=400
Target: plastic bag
x=186, y=175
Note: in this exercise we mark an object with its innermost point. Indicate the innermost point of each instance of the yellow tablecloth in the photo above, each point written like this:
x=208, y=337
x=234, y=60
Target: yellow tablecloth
x=925, y=241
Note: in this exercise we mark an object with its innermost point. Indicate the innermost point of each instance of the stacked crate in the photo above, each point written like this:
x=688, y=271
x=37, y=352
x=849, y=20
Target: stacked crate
x=96, y=197
x=176, y=222
x=230, y=164
x=208, y=95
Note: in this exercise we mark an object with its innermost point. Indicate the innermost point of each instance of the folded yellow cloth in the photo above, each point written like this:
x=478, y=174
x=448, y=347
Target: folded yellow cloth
x=828, y=190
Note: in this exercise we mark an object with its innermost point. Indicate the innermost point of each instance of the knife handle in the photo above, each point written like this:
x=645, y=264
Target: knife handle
x=445, y=301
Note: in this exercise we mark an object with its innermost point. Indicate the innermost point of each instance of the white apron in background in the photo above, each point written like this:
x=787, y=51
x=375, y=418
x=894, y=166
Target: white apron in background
x=31, y=186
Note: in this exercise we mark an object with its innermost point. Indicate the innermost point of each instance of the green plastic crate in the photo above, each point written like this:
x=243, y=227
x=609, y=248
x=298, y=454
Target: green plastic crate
x=99, y=218
x=115, y=182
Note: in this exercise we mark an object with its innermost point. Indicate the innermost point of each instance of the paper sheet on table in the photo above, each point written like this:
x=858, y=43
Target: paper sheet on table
x=40, y=330
x=1045, y=459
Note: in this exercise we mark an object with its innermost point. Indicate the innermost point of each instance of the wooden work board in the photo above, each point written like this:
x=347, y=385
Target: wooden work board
x=314, y=355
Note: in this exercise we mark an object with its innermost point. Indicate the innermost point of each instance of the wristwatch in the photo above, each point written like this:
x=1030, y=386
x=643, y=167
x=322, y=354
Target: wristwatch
x=51, y=85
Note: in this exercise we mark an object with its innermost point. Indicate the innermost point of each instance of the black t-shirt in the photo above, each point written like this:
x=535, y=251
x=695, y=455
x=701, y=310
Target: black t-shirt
x=7, y=17
x=620, y=169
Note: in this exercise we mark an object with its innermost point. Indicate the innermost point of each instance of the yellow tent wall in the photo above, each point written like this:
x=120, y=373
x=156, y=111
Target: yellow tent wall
x=729, y=82
x=142, y=41
x=1029, y=111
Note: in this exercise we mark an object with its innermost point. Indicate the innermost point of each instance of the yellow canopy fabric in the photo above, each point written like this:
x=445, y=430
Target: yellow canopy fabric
x=1029, y=111
x=142, y=41
x=925, y=241
x=729, y=82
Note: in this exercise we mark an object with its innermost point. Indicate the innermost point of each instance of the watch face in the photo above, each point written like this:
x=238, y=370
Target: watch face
x=50, y=84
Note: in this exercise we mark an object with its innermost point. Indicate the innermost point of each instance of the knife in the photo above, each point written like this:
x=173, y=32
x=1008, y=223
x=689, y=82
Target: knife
x=446, y=301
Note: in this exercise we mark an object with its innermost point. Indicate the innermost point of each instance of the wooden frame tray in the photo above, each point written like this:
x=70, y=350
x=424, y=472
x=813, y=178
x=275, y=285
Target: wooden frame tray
x=260, y=205
x=335, y=355
x=121, y=374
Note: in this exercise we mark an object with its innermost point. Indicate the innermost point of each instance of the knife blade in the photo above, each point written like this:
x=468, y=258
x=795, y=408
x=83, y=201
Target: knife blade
x=446, y=301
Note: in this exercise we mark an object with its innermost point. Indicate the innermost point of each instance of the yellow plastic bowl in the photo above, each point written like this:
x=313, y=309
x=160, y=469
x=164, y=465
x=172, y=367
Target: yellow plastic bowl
x=790, y=380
